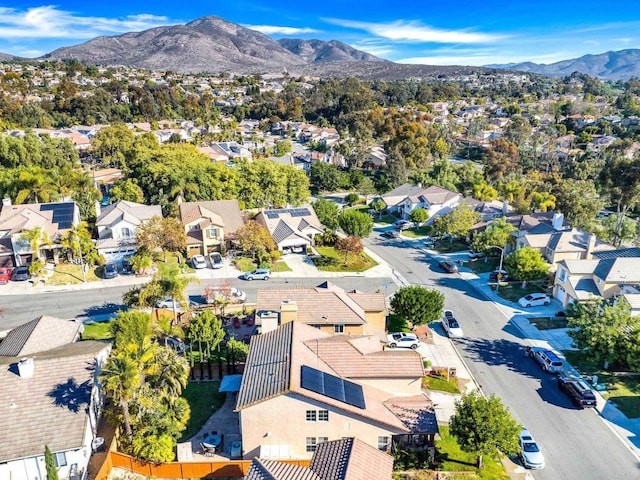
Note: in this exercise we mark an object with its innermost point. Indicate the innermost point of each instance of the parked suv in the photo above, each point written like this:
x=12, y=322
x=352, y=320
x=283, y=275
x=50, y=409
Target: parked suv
x=578, y=390
x=258, y=274
x=548, y=360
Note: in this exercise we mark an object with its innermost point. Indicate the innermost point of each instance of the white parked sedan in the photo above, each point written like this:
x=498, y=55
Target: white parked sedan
x=198, y=261
x=167, y=302
x=530, y=453
x=451, y=326
x=534, y=300
x=403, y=340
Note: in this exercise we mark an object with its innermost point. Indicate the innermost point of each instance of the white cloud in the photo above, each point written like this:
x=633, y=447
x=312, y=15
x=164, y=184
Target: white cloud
x=412, y=31
x=49, y=22
x=279, y=30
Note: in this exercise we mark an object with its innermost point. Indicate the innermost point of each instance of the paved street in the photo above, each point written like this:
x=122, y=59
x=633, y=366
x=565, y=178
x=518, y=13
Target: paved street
x=577, y=444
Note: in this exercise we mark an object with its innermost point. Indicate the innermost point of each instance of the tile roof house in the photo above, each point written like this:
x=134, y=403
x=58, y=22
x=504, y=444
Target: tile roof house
x=117, y=225
x=51, y=398
x=39, y=335
x=54, y=219
x=344, y=459
x=210, y=225
x=291, y=227
x=326, y=307
x=435, y=200
x=294, y=393
x=560, y=245
x=579, y=280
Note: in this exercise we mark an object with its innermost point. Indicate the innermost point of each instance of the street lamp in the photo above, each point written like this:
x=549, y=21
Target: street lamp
x=501, y=260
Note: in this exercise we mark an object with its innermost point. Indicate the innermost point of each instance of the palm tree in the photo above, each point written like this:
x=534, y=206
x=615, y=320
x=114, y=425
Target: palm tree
x=36, y=237
x=35, y=183
x=173, y=284
x=120, y=380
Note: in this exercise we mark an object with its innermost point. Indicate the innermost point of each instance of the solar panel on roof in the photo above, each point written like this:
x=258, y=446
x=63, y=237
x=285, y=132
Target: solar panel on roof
x=332, y=387
x=63, y=213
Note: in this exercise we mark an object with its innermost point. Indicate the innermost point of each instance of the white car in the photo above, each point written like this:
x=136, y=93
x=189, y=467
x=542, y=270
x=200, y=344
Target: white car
x=216, y=260
x=530, y=453
x=534, y=300
x=403, y=340
x=198, y=262
x=167, y=302
x=402, y=224
x=451, y=326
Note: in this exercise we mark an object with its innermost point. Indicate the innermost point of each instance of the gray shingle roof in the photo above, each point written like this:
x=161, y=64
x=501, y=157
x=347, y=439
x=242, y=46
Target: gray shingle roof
x=49, y=408
x=351, y=459
x=621, y=252
x=132, y=211
x=262, y=469
x=43, y=333
x=619, y=270
x=267, y=368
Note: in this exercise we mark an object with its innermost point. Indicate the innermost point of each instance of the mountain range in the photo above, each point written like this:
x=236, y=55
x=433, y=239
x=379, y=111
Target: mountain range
x=618, y=65
x=212, y=44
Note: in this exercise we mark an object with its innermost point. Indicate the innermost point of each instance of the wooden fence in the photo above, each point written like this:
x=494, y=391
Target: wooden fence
x=185, y=470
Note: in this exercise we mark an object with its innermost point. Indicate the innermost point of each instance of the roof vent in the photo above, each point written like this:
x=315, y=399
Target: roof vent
x=26, y=367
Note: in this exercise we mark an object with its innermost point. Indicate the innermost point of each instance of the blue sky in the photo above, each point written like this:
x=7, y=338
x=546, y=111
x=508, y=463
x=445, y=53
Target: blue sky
x=409, y=31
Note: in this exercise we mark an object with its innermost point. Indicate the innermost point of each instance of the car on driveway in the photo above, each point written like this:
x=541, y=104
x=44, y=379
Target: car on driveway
x=198, y=262
x=20, y=274
x=258, y=274
x=451, y=325
x=403, y=340
x=474, y=254
x=110, y=271
x=216, y=260
x=498, y=276
x=391, y=234
x=530, y=453
x=402, y=224
x=5, y=275
x=448, y=266
x=579, y=391
x=534, y=300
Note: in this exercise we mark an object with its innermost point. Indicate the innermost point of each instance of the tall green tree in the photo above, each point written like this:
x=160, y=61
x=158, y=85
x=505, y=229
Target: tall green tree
x=458, y=222
x=620, y=180
x=50, y=464
x=526, y=264
x=419, y=215
x=497, y=233
x=120, y=379
x=327, y=212
x=36, y=238
x=355, y=223
x=418, y=305
x=205, y=330
x=484, y=426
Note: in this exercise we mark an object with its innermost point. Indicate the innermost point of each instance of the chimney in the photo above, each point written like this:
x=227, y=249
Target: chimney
x=6, y=202
x=288, y=311
x=591, y=244
x=98, y=209
x=558, y=221
x=26, y=367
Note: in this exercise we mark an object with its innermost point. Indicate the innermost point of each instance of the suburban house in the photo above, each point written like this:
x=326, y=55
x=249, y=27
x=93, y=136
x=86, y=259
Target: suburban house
x=564, y=245
x=326, y=307
x=291, y=227
x=490, y=209
x=104, y=179
x=50, y=398
x=302, y=387
x=344, y=459
x=117, y=225
x=606, y=275
x=210, y=225
x=435, y=200
x=53, y=219
x=42, y=333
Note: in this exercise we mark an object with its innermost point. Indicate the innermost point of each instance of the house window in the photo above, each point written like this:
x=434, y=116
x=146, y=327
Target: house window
x=193, y=228
x=60, y=459
x=338, y=328
x=562, y=275
x=127, y=232
x=311, y=416
x=311, y=444
x=323, y=439
x=213, y=233
x=323, y=415
x=383, y=444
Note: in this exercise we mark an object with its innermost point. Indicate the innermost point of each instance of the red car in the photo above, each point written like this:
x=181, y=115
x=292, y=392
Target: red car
x=5, y=275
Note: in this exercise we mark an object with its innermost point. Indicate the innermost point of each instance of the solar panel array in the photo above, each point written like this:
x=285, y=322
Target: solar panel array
x=333, y=387
x=62, y=213
x=294, y=212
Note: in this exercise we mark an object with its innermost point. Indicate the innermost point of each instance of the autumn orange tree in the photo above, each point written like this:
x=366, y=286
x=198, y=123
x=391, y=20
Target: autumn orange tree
x=349, y=245
x=255, y=239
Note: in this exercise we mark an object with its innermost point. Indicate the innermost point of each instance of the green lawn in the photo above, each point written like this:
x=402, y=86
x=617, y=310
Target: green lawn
x=395, y=323
x=513, y=291
x=483, y=265
x=333, y=261
x=446, y=246
x=623, y=391
x=417, y=232
x=385, y=219
x=244, y=264
x=440, y=383
x=67, y=274
x=204, y=399
x=548, y=323
x=451, y=458
x=281, y=266
x=97, y=331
